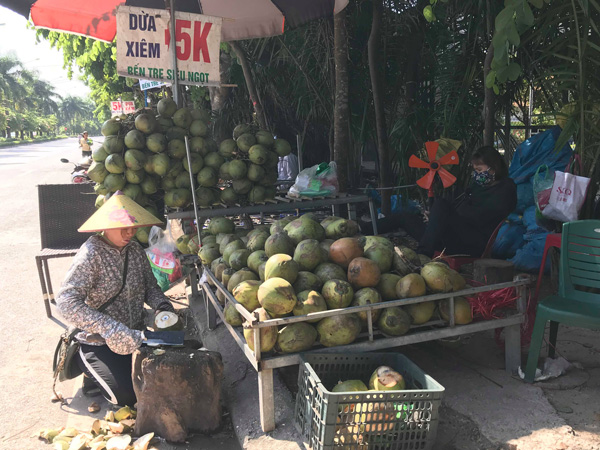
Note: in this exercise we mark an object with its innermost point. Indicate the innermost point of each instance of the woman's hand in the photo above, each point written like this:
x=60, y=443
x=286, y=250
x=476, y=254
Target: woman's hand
x=124, y=340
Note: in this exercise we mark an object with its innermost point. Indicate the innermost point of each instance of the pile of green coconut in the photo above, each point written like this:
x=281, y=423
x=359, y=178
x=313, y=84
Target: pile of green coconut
x=298, y=266
x=144, y=155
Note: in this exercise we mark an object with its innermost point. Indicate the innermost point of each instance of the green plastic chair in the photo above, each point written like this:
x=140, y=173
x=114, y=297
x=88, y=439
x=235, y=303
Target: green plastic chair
x=575, y=306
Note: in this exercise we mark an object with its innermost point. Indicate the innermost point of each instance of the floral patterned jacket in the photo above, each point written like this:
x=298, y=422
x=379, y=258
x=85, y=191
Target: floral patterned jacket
x=95, y=276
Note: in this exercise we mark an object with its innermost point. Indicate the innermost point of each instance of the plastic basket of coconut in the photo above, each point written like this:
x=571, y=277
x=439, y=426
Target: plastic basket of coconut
x=361, y=401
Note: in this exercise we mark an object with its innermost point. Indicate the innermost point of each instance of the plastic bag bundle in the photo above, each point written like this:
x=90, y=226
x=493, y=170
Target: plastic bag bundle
x=316, y=181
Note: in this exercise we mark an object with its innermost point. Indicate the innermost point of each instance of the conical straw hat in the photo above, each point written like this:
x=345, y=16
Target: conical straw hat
x=119, y=212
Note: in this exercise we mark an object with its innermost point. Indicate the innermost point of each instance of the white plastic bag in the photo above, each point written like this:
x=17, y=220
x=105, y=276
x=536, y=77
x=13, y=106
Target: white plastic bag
x=161, y=246
x=316, y=181
x=567, y=197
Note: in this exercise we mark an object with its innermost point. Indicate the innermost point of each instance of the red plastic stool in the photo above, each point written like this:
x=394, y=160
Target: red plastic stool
x=552, y=240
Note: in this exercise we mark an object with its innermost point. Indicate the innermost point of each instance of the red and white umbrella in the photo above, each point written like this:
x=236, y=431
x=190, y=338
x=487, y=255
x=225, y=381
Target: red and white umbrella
x=244, y=19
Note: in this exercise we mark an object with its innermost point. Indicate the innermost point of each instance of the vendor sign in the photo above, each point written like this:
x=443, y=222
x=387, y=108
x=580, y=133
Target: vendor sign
x=144, y=39
x=117, y=107
x=150, y=84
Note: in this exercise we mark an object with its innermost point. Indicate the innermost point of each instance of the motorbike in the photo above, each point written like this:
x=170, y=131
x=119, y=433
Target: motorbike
x=79, y=173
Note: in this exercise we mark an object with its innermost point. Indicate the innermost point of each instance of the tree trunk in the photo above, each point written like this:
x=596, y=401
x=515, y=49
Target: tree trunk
x=258, y=109
x=488, y=102
x=177, y=392
x=219, y=95
x=380, y=125
x=341, y=111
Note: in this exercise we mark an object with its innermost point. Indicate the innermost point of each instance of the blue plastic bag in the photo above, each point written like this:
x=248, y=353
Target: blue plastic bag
x=510, y=238
x=538, y=150
x=529, y=257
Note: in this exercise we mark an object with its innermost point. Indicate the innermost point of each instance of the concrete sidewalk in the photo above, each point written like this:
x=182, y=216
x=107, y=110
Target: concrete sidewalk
x=484, y=407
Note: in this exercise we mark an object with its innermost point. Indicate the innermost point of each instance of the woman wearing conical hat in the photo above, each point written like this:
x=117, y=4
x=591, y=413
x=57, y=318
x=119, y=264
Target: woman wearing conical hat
x=96, y=277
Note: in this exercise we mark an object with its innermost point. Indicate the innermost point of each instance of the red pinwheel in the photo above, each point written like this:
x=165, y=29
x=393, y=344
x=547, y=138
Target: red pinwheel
x=435, y=167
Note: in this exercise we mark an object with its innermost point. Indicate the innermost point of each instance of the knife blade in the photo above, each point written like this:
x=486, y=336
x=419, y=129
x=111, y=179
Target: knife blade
x=156, y=338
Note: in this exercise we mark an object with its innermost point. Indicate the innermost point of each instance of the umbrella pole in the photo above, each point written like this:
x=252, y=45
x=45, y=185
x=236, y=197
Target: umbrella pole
x=175, y=88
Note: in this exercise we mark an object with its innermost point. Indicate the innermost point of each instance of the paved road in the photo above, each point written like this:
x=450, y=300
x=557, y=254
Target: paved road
x=28, y=337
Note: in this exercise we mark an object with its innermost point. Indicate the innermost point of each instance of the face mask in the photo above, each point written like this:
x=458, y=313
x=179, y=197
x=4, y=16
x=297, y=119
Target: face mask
x=483, y=178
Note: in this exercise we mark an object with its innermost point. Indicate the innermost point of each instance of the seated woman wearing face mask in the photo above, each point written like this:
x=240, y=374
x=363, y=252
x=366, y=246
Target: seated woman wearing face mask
x=464, y=224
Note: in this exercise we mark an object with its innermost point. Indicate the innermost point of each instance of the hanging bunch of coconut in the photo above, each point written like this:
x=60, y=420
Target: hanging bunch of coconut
x=293, y=268
x=246, y=165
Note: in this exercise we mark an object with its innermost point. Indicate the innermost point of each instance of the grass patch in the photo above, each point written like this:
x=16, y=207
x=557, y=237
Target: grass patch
x=6, y=142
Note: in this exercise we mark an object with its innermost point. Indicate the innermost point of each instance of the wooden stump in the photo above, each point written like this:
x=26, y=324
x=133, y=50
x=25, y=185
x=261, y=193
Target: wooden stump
x=492, y=271
x=177, y=392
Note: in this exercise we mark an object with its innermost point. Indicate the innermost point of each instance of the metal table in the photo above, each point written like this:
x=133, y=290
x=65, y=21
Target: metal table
x=370, y=341
x=282, y=204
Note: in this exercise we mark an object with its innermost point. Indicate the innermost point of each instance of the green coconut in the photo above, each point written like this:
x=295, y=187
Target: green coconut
x=264, y=137
x=232, y=316
x=214, y=160
x=385, y=378
x=178, y=198
x=227, y=148
x=231, y=247
x=97, y=172
x=257, y=241
x=198, y=145
x=207, y=177
x=382, y=255
x=367, y=296
x=246, y=293
x=307, y=281
x=304, y=228
x=279, y=243
x=282, y=147
x=113, y=144
x=405, y=260
x=281, y=266
x=100, y=154
x=255, y=259
x=420, y=312
x=308, y=254
x=268, y=335
x=239, y=276
x=279, y=225
x=394, y=321
x=239, y=259
x=243, y=186
x=198, y=128
x=114, y=163
x=110, y=128
x=341, y=228
x=411, y=285
x=350, y=386
x=114, y=182
x=136, y=176
x=258, y=154
x=182, y=118
x=176, y=149
x=309, y=301
x=228, y=196
x=205, y=196
x=277, y=296
x=337, y=330
x=237, y=169
x=166, y=107
x=437, y=277
x=462, y=310
x=135, y=139
x=156, y=143
x=296, y=337
x=245, y=141
x=175, y=133
x=330, y=271
x=337, y=293
x=387, y=286
x=255, y=173
x=197, y=163
x=221, y=225
x=208, y=253
x=146, y=123
x=257, y=194
x=160, y=164
x=135, y=159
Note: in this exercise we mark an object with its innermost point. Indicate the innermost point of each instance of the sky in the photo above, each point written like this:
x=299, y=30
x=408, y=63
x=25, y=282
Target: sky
x=17, y=39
